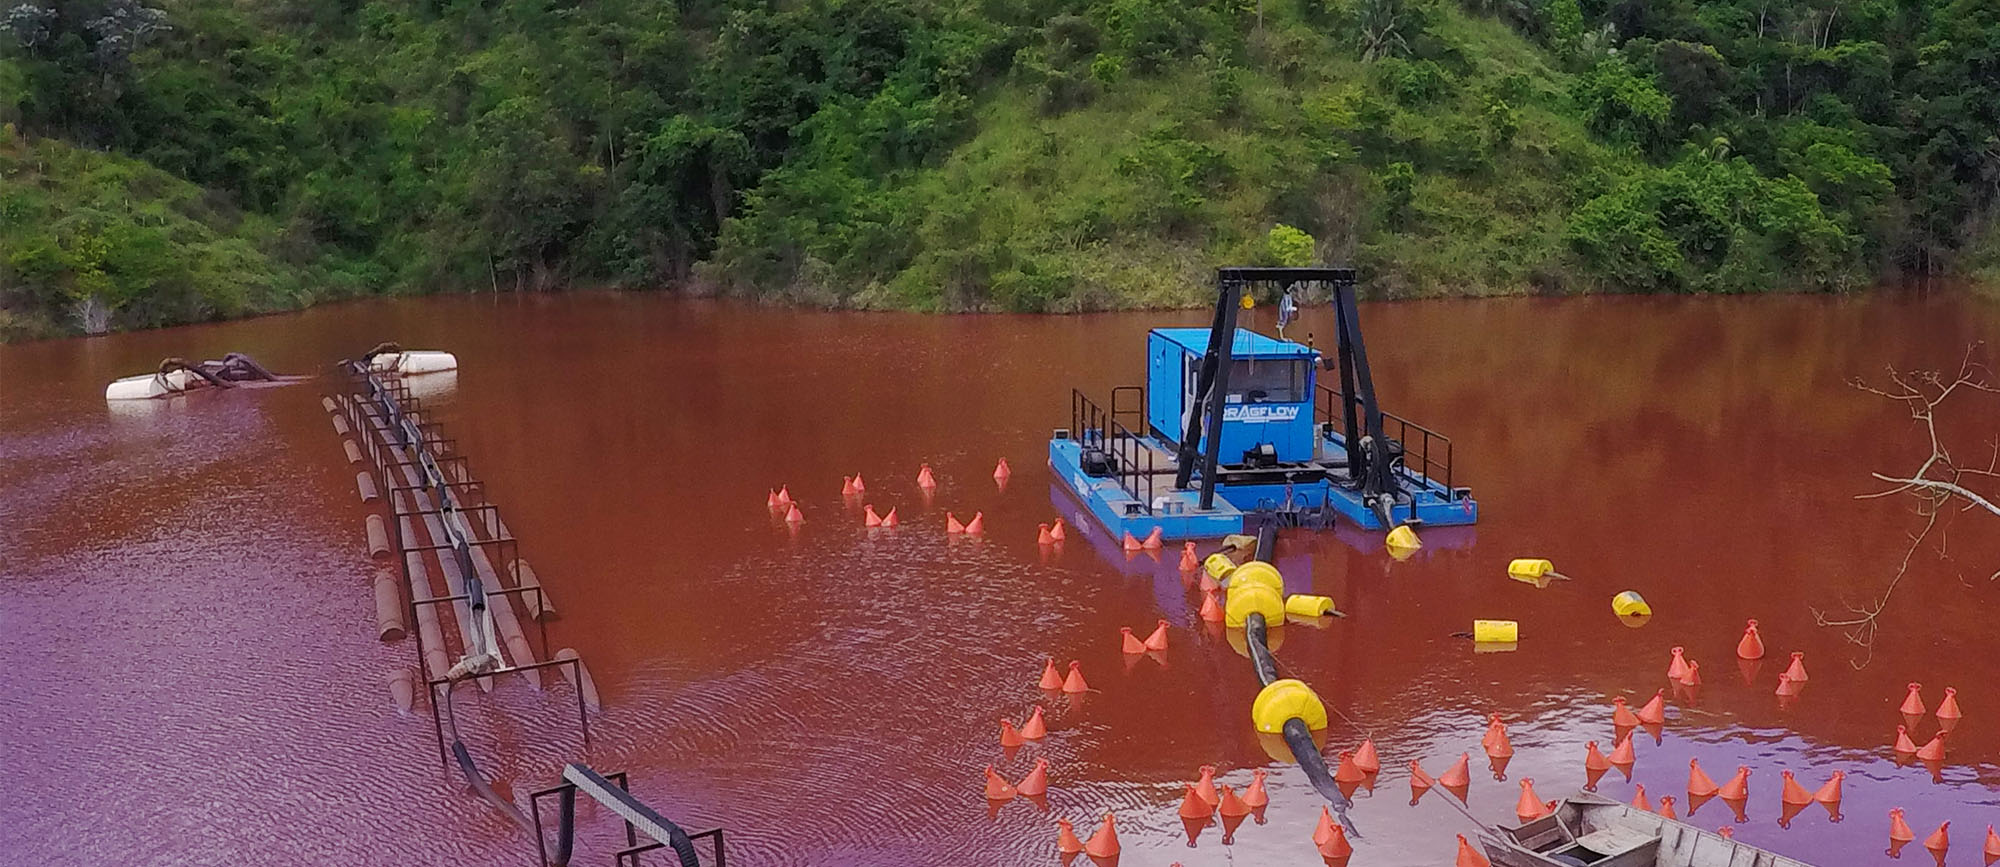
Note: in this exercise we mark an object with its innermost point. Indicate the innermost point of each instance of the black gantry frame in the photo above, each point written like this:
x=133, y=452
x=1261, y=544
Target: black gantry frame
x=1367, y=450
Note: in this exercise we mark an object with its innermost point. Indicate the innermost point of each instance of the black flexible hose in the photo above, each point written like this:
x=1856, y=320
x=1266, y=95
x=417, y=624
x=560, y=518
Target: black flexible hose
x=1258, y=638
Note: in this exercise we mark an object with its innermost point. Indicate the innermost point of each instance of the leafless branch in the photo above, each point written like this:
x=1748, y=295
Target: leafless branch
x=1936, y=482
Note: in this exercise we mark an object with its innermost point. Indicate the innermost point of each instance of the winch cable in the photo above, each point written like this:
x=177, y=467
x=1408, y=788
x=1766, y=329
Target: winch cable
x=1256, y=636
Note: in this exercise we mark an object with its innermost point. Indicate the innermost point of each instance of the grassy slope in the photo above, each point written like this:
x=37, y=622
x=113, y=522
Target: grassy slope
x=1045, y=193
x=69, y=215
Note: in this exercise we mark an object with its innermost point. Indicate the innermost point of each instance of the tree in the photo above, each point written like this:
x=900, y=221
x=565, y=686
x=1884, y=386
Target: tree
x=1942, y=485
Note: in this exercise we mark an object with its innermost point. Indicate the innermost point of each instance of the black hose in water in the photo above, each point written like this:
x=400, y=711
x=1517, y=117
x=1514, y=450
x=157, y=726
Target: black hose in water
x=1297, y=736
x=1257, y=636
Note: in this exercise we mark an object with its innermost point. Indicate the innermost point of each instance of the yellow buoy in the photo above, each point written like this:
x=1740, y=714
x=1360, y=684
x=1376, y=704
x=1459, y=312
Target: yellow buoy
x=1305, y=605
x=1630, y=604
x=1285, y=700
x=1504, y=631
x=1248, y=302
x=1530, y=569
x=1258, y=572
x=1403, y=537
x=1218, y=566
x=1247, y=599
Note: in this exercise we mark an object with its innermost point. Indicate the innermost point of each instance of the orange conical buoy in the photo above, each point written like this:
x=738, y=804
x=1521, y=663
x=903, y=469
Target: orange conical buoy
x=772, y=500
x=1992, y=845
x=1346, y=772
x=1678, y=665
x=1189, y=563
x=1154, y=540
x=1913, y=704
x=1051, y=678
x=1667, y=806
x=1693, y=675
x=1365, y=757
x=997, y=787
x=1232, y=806
x=924, y=478
x=869, y=518
x=1621, y=716
x=1940, y=840
x=1494, y=730
x=1594, y=760
x=1948, y=709
x=1205, y=787
x=1042, y=536
x=1899, y=830
x=1035, y=728
x=1726, y=832
x=784, y=495
x=1323, y=831
x=889, y=520
x=1501, y=747
x=795, y=516
x=1459, y=774
x=1057, y=532
x=1752, y=645
x=1655, y=711
x=1790, y=792
x=1193, y=807
x=1157, y=640
x=1000, y=470
x=951, y=524
x=1255, y=795
x=1933, y=751
x=1074, y=682
x=1420, y=782
x=1798, y=670
x=1787, y=686
x=1129, y=643
x=977, y=525
x=1037, y=780
x=1903, y=742
x=1104, y=843
x=1622, y=753
x=1208, y=585
x=1830, y=793
x=1210, y=611
x=1530, y=806
x=1738, y=787
x=1700, y=785
x=1066, y=842
x=1336, y=849
x=1639, y=799
x=847, y=488
x=1468, y=856
x=1009, y=736
x=859, y=488
x=1132, y=544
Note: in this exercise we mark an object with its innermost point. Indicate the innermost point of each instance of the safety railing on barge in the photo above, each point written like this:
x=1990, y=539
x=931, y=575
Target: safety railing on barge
x=1429, y=458
x=1131, y=461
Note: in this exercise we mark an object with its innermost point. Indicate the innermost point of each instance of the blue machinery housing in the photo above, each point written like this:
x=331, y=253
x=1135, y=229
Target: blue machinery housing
x=1278, y=442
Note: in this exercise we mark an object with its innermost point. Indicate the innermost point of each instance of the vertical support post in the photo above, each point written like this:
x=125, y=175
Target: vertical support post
x=1376, y=483
x=1210, y=393
x=1344, y=352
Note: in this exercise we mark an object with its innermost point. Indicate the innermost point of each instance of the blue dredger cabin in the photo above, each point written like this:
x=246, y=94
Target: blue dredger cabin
x=1242, y=427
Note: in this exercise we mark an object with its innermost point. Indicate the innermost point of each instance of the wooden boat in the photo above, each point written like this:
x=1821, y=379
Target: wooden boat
x=1591, y=830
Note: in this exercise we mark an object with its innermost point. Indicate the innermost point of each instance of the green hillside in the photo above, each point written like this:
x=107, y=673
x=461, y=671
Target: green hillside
x=980, y=154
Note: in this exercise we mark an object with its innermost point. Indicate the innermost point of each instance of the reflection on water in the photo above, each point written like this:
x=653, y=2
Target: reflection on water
x=192, y=675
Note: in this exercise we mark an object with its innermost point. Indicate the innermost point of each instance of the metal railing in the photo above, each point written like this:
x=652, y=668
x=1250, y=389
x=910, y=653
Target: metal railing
x=1428, y=458
x=1132, y=461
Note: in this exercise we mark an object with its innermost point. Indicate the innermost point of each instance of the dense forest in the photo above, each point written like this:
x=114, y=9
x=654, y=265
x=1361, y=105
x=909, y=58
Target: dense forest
x=166, y=161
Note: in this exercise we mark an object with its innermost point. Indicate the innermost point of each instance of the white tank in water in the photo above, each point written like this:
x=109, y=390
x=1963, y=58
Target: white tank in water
x=414, y=361
x=151, y=385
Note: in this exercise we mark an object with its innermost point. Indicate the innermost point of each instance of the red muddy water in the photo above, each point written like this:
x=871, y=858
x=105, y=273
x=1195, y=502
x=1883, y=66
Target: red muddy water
x=191, y=676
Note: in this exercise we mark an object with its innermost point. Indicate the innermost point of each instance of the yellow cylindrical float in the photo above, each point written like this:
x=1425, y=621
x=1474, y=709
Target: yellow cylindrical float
x=378, y=537
x=1496, y=631
x=1530, y=568
x=353, y=451
x=1247, y=599
x=1258, y=572
x=1285, y=700
x=388, y=607
x=1630, y=604
x=1218, y=566
x=1306, y=605
x=1403, y=537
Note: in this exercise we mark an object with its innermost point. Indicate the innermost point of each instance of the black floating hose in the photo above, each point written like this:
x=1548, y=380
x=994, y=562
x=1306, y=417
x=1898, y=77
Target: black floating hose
x=1258, y=638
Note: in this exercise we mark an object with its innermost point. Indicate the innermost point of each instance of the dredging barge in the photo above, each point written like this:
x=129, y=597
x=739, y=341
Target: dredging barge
x=1233, y=423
